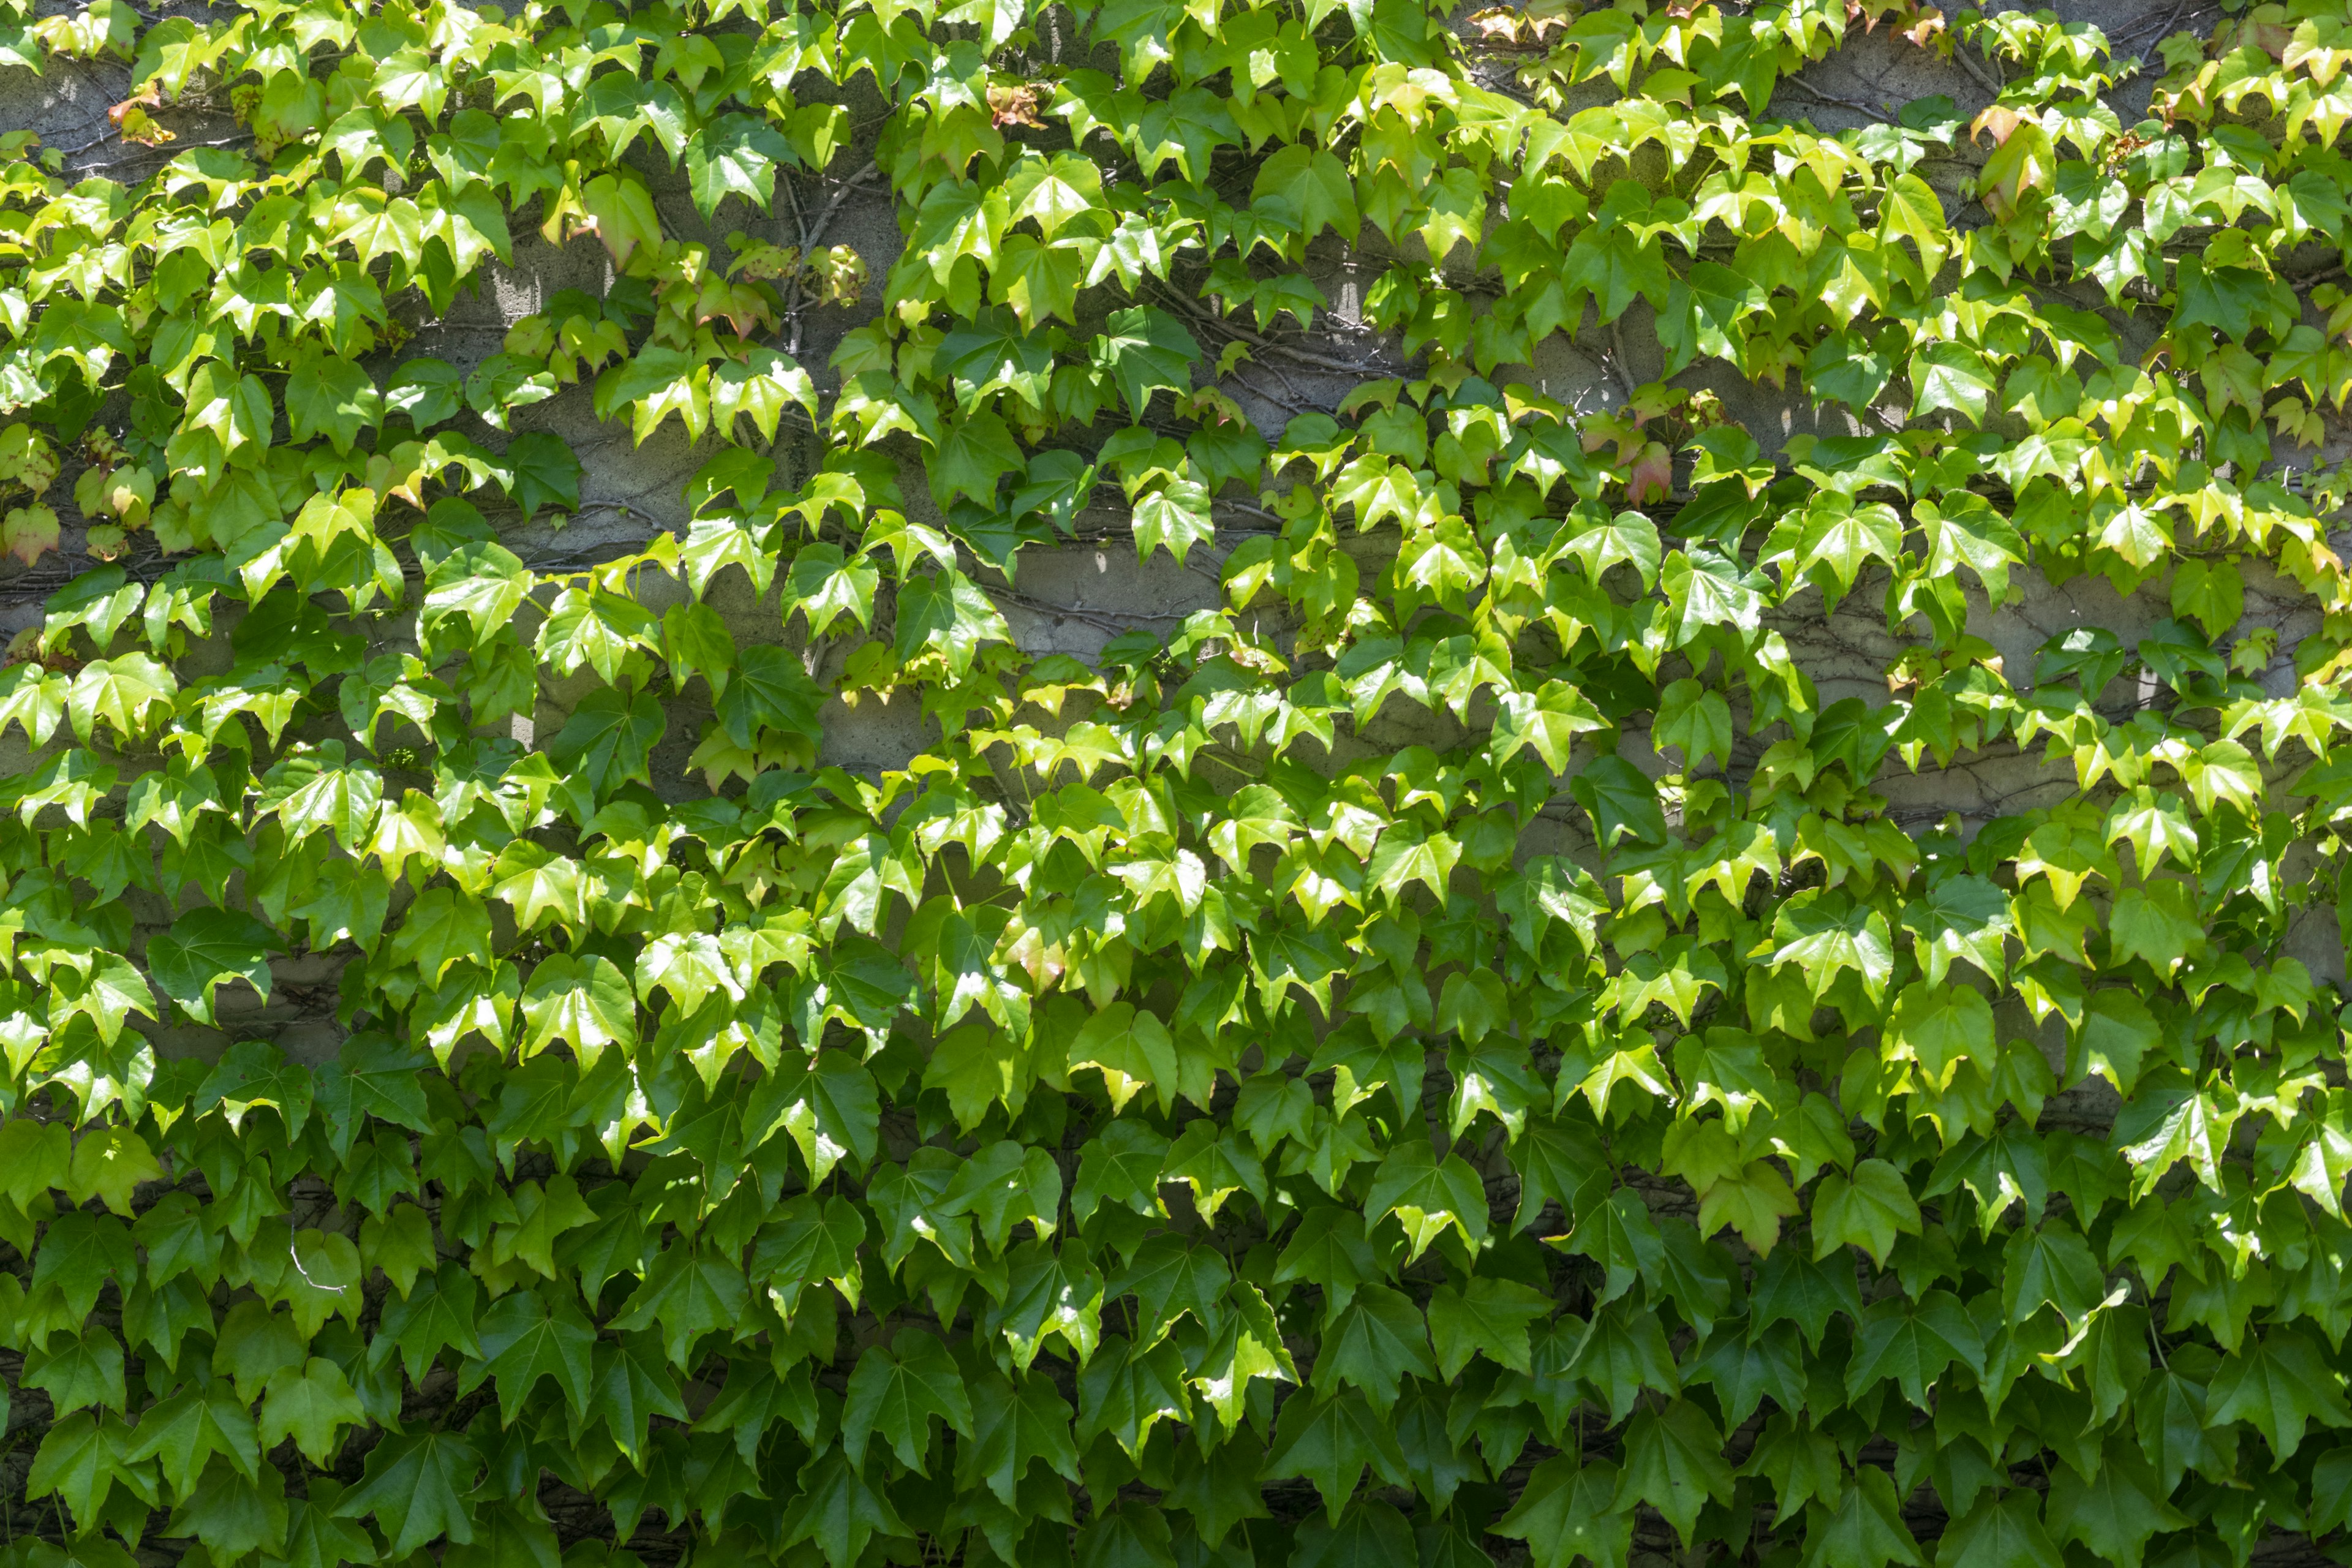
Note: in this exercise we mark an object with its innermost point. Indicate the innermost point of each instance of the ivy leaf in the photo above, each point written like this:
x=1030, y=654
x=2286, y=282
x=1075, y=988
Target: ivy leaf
x=609, y=739
x=1427, y=1195
x=837, y=1511
x=1950, y=375
x=690, y=1290
x=1488, y=1316
x=1547, y=720
x=523, y=1342
x=1374, y=1342
x=2280, y=1384
x=414, y=1486
x=1622, y=801
x=1132, y=1049
x=206, y=948
x=1145, y=351
x=1015, y=1427
x=1174, y=518
x=736, y=156
x=949, y=614
x=1569, y=1511
x=311, y=1406
x=1913, y=1343
x=1864, y=1527
x=828, y=1103
x=79, y=1371
x=2004, y=1528
x=187, y=1430
x=1868, y=1211
x=897, y=1390
x=1331, y=1441
x=2114, y=1513
x=1675, y=1463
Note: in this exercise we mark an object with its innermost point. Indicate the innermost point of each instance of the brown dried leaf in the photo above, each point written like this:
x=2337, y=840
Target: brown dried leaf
x=1014, y=105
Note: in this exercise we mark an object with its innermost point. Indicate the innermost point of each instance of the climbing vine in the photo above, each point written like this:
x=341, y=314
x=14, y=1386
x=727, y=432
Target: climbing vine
x=1464, y=1051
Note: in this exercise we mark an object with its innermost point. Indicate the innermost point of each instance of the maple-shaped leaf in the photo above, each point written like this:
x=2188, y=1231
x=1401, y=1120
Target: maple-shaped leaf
x=1675, y=1462
x=2115, y=1511
x=1426, y=1194
x=1016, y=1425
x=184, y=1432
x=690, y=1290
x=2003, y=1529
x=523, y=1341
x=206, y=948
x=27, y=533
x=1861, y=1526
x=1220, y=1490
x=1913, y=1341
x=2280, y=1385
x=1570, y=1512
x=1330, y=1441
x=311, y=1406
x=1868, y=1210
x=1487, y=1316
x=415, y=1487
x=896, y=1391
x=837, y=1510
x=109, y=1164
x=1377, y=1340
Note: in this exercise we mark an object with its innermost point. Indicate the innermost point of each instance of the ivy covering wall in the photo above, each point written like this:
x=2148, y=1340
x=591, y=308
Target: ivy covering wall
x=1166, y=1121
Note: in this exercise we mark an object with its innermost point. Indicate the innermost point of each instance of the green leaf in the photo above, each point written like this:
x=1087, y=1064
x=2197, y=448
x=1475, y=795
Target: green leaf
x=2116, y=1034
x=2049, y=1263
x=185, y=1431
x=523, y=1342
x=949, y=614
x=690, y=1290
x=1488, y=1316
x=1145, y=351
x=311, y=1406
x=1622, y=801
x=80, y=1463
x=416, y=1488
x=2158, y=921
x=1427, y=1195
x=1547, y=720
x=1863, y=1527
x=1675, y=1463
x=1015, y=1427
x=1370, y=1534
x=1868, y=1211
x=1913, y=1343
x=206, y=948
x=80, y=1370
x=896, y=1391
x=2002, y=1531
x=1331, y=1441
x=609, y=739
x=838, y=1511
x=737, y=155
x=2280, y=1384
x=1569, y=1511
x=1132, y=1049
x=1315, y=186
x=828, y=1104
x=2116, y=1511
x=1374, y=1342
x=1174, y=518
x=1941, y=1026
x=233, y=1514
